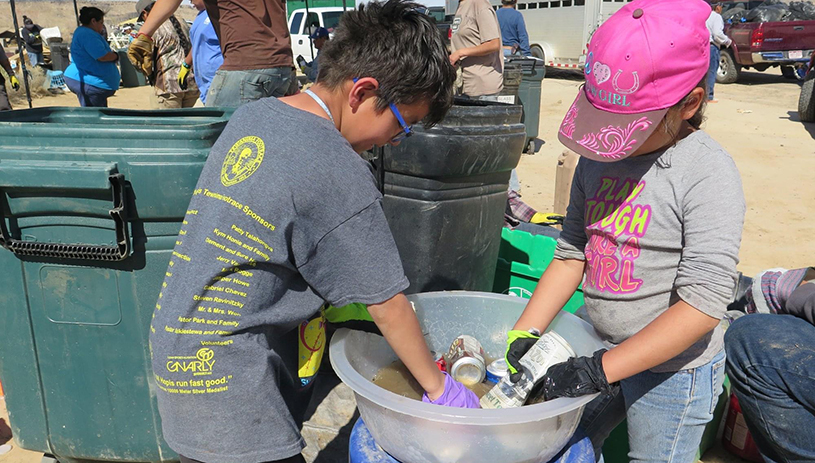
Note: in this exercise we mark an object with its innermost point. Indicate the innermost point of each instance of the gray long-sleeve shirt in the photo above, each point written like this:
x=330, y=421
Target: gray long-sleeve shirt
x=655, y=229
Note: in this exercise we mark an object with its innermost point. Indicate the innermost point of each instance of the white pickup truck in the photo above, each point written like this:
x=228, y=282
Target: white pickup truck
x=300, y=27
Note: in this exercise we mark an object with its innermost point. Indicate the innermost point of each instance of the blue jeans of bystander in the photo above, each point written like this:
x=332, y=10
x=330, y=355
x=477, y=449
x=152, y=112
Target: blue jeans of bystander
x=234, y=88
x=769, y=361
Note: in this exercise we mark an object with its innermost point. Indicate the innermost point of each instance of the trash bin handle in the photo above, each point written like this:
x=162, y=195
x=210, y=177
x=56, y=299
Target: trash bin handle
x=78, y=172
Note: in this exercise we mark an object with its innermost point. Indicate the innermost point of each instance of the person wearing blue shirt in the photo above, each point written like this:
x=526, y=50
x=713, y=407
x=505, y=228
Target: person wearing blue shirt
x=205, y=55
x=93, y=74
x=319, y=37
x=513, y=29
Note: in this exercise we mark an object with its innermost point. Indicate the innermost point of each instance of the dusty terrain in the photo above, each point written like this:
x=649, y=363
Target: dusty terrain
x=61, y=13
x=755, y=120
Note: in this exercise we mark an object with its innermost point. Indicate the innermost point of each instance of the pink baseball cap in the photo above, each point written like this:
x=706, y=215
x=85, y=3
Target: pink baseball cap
x=642, y=61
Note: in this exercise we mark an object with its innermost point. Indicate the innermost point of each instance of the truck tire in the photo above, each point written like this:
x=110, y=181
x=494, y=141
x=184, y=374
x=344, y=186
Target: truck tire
x=788, y=72
x=728, y=69
x=537, y=52
x=806, y=102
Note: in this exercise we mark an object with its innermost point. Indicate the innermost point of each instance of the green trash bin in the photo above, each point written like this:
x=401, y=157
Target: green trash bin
x=92, y=200
x=522, y=259
x=529, y=92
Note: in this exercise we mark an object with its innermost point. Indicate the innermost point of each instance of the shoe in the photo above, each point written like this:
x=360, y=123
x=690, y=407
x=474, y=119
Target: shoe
x=713, y=101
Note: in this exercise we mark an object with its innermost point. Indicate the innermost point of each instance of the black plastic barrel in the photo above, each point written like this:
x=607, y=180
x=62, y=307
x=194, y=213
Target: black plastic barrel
x=446, y=193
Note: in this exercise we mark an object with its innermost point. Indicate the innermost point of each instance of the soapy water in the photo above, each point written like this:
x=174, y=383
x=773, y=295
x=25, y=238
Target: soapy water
x=397, y=379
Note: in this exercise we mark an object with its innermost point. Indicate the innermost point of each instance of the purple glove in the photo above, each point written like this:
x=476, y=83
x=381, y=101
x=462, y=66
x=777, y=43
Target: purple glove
x=455, y=395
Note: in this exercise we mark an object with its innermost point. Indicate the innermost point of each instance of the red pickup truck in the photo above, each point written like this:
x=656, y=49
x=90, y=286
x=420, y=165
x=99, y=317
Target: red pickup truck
x=764, y=45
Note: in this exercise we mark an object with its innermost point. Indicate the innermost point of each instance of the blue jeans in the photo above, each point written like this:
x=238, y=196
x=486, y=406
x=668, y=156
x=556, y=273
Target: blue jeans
x=715, y=57
x=234, y=88
x=770, y=364
x=667, y=412
x=35, y=58
x=88, y=95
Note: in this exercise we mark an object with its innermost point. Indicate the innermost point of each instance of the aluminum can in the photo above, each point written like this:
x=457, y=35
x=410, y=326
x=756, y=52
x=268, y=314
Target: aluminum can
x=465, y=360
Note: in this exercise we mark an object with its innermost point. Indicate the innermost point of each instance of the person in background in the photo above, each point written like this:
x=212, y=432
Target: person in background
x=205, y=55
x=172, y=45
x=32, y=42
x=319, y=37
x=718, y=39
x=5, y=104
x=92, y=75
x=255, y=42
x=652, y=231
x=513, y=29
x=476, y=45
x=769, y=362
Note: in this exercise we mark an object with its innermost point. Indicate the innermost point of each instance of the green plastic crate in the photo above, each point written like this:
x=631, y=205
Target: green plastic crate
x=522, y=259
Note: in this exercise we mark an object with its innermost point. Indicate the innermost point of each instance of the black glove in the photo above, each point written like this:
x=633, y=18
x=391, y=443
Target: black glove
x=574, y=378
x=518, y=343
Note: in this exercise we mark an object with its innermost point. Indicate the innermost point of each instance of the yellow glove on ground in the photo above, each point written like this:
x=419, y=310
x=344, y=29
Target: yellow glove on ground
x=15, y=84
x=182, y=76
x=140, y=53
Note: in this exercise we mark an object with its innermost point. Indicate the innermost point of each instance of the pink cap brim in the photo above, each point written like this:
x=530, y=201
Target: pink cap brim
x=605, y=136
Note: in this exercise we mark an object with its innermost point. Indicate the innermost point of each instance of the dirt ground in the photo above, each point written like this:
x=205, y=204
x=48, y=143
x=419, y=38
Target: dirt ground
x=61, y=14
x=755, y=120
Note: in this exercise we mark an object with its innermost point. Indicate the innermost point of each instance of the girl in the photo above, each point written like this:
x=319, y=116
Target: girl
x=654, y=227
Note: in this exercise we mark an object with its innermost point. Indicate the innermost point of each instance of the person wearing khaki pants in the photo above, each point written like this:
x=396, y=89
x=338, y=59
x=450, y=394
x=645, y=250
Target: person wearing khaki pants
x=171, y=46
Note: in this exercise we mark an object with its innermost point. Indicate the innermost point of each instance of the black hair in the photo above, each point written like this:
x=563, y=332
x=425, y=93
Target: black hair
x=90, y=12
x=397, y=45
x=145, y=10
x=699, y=117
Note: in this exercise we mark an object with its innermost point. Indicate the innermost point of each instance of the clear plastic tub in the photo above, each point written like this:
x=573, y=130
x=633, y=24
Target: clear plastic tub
x=415, y=432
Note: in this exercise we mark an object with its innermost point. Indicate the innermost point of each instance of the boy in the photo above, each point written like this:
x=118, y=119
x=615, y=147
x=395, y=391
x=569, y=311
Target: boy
x=285, y=217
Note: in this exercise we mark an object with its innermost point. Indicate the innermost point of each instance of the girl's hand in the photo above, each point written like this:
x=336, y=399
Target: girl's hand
x=518, y=343
x=575, y=377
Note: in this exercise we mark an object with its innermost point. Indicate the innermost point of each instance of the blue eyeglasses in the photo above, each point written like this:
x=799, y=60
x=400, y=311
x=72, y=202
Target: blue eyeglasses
x=406, y=129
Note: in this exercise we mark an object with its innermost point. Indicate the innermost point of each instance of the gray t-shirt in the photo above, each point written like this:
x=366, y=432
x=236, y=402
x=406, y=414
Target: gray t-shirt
x=654, y=229
x=284, y=217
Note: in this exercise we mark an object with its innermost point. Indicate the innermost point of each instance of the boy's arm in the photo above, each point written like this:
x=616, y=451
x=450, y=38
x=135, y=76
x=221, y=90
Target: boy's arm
x=400, y=327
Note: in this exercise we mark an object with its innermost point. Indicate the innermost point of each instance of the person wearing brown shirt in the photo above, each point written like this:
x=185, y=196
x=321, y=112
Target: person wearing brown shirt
x=477, y=48
x=254, y=40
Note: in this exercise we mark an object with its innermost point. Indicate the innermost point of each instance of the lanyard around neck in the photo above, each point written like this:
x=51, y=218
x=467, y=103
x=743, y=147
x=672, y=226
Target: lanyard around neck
x=321, y=103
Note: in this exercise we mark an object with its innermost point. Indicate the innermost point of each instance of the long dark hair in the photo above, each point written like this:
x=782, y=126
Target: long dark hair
x=87, y=13
x=182, y=37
